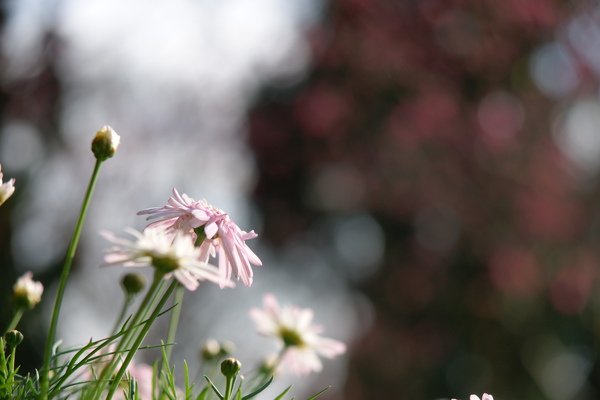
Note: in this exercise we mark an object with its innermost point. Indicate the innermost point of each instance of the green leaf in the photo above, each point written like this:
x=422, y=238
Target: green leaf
x=260, y=389
x=284, y=393
x=318, y=394
x=238, y=393
x=186, y=377
x=214, y=388
x=203, y=394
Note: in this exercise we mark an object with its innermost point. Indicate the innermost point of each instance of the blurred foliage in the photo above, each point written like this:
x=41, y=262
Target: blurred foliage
x=424, y=115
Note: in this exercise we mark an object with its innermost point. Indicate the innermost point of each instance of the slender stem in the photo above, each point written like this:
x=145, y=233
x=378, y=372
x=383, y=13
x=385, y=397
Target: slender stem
x=174, y=321
x=155, y=287
x=126, y=303
x=45, y=378
x=3, y=368
x=13, y=354
x=136, y=345
x=15, y=319
x=172, y=332
x=228, y=387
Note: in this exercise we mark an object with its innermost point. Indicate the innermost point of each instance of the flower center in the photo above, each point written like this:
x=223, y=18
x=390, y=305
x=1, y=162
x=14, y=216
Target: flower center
x=290, y=337
x=165, y=264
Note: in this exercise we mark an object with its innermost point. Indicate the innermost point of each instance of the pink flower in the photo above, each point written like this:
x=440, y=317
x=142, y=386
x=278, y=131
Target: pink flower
x=6, y=189
x=222, y=237
x=296, y=335
x=143, y=375
x=171, y=256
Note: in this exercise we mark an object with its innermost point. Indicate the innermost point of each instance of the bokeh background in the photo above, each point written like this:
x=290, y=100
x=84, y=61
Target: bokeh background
x=423, y=173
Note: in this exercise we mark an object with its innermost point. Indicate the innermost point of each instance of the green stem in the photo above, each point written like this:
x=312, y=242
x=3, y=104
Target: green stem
x=228, y=387
x=126, y=303
x=136, y=345
x=12, y=364
x=15, y=319
x=107, y=372
x=174, y=321
x=45, y=378
x=172, y=331
x=3, y=369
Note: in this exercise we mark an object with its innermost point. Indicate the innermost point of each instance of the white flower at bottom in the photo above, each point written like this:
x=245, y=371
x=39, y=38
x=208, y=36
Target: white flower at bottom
x=484, y=397
x=171, y=256
x=6, y=189
x=296, y=335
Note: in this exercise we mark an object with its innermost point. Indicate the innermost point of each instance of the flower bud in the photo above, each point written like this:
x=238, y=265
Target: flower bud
x=230, y=367
x=269, y=364
x=133, y=283
x=27, y=292
x=210, y=350
x=13, y=338
x=227, y=348
x=6, y=189
x=105, y=144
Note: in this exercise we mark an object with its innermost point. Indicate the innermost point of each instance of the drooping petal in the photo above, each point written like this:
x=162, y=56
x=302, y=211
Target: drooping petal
x=186, y=214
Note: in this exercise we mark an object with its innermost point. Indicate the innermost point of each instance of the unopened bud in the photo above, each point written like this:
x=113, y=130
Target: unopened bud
x=133, y=283
x=227, y=348
x=105, y=144
x=13, y=338
x=230, y=367
x=27, y=292
x=210, y=350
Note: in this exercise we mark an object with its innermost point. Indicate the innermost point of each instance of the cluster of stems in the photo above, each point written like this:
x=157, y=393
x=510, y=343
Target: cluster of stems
x=108, y=360
x=136, y=327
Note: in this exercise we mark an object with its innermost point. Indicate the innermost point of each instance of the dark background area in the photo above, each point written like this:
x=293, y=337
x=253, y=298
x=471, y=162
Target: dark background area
x=427, y=117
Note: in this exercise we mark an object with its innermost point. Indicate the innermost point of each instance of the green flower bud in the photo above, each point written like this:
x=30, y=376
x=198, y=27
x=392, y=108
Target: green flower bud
x=105, y=144
x=230, y=367
x=13, y=338
x=133, y=283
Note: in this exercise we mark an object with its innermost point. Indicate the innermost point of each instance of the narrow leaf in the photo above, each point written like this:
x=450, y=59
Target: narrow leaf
x=284, y=393
x=318, y=394
x=203, y=394
x=214, y=388
x=260, y=389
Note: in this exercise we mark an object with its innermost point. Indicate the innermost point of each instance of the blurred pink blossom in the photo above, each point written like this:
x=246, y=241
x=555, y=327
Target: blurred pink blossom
x=296, y=335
